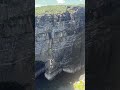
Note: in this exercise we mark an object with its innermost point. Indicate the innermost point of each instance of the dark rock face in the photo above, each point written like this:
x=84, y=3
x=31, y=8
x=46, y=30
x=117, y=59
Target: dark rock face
x=98, y=50
x=16, y=42
x=11, y=86
x=15, y=48
x=61, y=39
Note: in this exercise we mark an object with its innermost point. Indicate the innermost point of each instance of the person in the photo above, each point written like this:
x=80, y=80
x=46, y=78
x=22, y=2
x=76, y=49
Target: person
x=51, y=63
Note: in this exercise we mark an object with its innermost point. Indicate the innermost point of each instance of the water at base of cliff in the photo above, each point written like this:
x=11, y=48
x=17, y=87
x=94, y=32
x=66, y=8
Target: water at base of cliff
x=63, y=81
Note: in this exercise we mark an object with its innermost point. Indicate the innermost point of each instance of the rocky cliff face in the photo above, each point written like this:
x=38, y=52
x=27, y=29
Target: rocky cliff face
x=16, y=42
x=59, y=40
x=98, y=47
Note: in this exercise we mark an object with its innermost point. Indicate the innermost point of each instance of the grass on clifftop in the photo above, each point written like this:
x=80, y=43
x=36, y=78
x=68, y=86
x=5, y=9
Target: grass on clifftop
x=58, y=9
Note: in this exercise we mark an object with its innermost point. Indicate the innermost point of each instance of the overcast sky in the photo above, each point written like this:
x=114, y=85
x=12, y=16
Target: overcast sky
x=39, y=3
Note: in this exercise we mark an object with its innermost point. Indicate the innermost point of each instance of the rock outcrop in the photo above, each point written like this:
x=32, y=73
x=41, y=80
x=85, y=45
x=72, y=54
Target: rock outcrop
x=59, y=40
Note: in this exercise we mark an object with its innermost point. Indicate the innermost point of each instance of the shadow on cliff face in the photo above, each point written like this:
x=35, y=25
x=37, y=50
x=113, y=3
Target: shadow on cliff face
x=63, y=81
x=12, y=86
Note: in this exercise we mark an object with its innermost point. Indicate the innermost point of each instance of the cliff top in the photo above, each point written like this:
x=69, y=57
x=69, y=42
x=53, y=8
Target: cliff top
x=57, y=9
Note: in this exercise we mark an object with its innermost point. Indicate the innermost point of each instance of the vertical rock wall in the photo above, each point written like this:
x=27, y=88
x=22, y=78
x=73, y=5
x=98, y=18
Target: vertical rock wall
x=98, y=43
x=63, y=34
x=16, y=42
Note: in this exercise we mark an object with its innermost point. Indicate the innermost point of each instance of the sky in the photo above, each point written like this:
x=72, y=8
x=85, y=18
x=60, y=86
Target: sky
x=39, y=3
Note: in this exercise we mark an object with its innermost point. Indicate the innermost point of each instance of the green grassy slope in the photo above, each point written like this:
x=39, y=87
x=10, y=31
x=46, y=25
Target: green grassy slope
x=58, y=9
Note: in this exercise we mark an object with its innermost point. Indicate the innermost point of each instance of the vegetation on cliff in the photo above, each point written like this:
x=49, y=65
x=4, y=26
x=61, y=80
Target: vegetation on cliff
x=57, y=9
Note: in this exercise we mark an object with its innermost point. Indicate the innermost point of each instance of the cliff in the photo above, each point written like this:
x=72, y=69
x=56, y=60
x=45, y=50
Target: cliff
x=98, y=39
x=16, y=42
x=60, y=38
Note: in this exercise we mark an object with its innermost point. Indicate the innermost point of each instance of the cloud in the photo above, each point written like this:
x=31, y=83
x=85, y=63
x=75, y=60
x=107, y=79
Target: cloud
x=61, y=1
